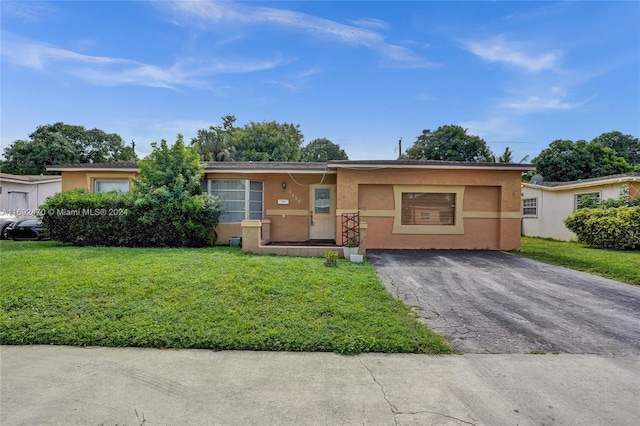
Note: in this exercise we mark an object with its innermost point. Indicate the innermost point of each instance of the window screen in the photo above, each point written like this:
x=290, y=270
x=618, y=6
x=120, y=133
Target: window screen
x=242, y=199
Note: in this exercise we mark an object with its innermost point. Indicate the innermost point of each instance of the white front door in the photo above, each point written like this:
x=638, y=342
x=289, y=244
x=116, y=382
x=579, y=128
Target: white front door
x=322, y=212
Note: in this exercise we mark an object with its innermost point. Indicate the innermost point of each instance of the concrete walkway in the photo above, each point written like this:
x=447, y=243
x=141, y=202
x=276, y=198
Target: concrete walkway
x=55, y=385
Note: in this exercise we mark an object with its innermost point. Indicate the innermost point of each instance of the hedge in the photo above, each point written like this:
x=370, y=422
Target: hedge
x=119, y=219
x=615, y=228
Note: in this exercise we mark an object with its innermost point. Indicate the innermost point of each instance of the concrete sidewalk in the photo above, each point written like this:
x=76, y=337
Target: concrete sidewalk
x=55, y=385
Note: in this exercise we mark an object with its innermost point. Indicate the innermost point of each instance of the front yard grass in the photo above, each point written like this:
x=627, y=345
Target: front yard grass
x=216, y=298
x=618, y=265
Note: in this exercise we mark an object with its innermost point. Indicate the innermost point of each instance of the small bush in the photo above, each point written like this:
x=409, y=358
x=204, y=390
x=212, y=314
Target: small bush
x=615, y=228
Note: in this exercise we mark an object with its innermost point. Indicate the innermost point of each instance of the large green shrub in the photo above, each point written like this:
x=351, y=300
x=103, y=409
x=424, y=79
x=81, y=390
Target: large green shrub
x=166, y=208
x=170, y=207
x=615, y=228
x=172, y=223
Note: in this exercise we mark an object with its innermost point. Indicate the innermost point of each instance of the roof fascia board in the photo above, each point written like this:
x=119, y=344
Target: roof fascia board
x=93, y=169
x=269, y=171
x=206, y=170
x=582, y=184
x=30, y=181
x=428, y=166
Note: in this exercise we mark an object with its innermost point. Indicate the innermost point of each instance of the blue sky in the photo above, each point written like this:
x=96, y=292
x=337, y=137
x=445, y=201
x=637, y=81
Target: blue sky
x=362, y=74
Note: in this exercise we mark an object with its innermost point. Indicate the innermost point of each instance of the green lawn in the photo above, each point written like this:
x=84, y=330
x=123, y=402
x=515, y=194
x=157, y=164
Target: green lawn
x=618, y=265
x=216, y=298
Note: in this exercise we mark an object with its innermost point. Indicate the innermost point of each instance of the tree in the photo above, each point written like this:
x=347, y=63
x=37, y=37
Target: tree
x=506, y=157
x=174, y=171
x=61, y=143
x=449, y=143
x=268, y=141
x=170, y=207
x=565, y=161
x=322, y=150
x=30, y=157
x=216, y=143
x=625, y=146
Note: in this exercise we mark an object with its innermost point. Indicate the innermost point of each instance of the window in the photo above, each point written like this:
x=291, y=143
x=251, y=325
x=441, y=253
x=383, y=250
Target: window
x=18, y=200
x=242, y=199
x=530, y=207
x=111, y=185
x=419, y=208
x=428, y=209
x=323, y=201
x=587, y=200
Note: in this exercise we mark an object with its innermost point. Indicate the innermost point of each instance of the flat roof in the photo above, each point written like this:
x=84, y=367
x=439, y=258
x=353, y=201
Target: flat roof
x=426, y=164
x=124, y=166
x=266, y=167
x=30, y=178
x=300, y=167
x=602, y=180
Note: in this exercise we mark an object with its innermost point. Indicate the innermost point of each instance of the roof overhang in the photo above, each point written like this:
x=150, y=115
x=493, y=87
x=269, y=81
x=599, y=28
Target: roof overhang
x=330, y=167
x=267, y=168
x=29, y=179
x=584, y=184
x=428, y=165
x=96, y=167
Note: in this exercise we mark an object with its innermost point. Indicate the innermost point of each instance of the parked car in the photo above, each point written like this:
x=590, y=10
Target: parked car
x=30, y=229
x=6, y=220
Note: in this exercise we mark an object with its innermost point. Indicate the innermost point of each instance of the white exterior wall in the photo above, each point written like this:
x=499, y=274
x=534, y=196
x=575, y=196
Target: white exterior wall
x=36, y=194
x=554, y=206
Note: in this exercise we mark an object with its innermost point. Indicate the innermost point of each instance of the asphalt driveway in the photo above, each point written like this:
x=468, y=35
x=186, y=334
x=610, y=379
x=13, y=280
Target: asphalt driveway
x=495, y=302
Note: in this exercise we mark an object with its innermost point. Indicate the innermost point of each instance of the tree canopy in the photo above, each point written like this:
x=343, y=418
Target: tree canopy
x=625, y=146
x=171, y=208
x=61, y=143
x=176, y=170
x=322, y=150
x=565, y=160
x=268, y=141
x=216, y=143
x=449, y=143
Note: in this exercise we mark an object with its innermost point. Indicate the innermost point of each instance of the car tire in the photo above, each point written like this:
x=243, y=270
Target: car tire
x=5, y=230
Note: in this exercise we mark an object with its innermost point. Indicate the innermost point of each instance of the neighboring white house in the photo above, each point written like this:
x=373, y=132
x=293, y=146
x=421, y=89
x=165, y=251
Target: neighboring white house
x=21, y=195
x=545, y=205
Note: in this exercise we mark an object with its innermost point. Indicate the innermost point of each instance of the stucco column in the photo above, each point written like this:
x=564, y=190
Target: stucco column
x=363, y=238
x=251, y=235
x=265, y=234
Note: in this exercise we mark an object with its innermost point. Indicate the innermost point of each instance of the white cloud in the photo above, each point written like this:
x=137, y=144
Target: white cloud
x=424, y=97
x=551, y=99
x=498, y=49
x=296, y=81
x=496, y=129
x=27, y=11
x=371, y=23
x=109, y=71
x=208, y=12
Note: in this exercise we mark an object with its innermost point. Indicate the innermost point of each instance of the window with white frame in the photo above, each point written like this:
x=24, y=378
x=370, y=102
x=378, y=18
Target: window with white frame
x=588, y=198
x=242, y=199
x=111, y=185
x=529, y=207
